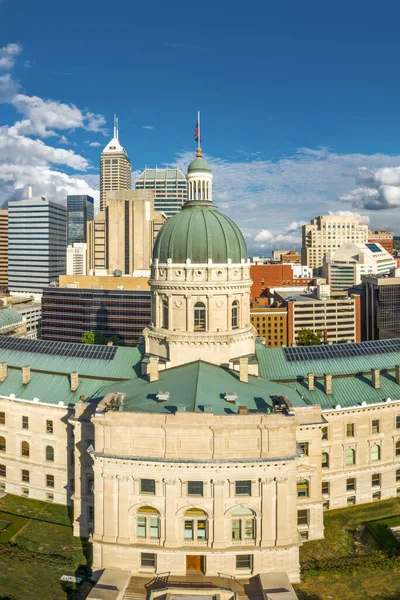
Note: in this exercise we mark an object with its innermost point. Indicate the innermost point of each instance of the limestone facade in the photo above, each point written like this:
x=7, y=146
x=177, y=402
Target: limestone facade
x=180, y=332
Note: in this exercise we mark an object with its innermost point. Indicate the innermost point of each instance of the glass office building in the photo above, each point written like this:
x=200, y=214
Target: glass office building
x=80, y=210
x=170, y=188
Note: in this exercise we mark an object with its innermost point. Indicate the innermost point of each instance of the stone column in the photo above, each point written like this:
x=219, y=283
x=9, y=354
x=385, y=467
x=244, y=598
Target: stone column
x=282, y=517
x=98, y=503
x=108, y=509
x=219, y=517
x=173, y=529
x=189, y=316
x=123, y=509
x=268, y=512
x=169, y=300
x=79, y=518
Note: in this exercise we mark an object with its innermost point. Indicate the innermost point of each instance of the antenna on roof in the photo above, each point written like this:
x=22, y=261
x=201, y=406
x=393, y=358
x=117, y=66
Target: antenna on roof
x=115, y=127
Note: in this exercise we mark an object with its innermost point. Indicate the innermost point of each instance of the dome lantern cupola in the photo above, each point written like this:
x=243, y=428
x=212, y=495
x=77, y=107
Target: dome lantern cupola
x=199, y=179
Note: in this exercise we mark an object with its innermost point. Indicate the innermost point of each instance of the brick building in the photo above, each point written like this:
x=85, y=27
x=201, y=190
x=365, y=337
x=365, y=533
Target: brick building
x=270, y=322
x=384, y=238
x=265, y=276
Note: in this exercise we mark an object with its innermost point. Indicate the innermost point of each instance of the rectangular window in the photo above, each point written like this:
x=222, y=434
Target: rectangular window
x=50, y=497
x=49, y=426
x=148, y=560
x=350, y=430
x=243, y=488
x=325, y=505
x=397, y=421
x=2, y=418
x=350, y=484
x=398, y=475
x=302, y=517
x=189, y=528
x=147, y=486
x=195, y=488
x=376, y=496
x=375, y=426
x=244, y=561
x=141, y=527
x=25, y=423
x=304, y=535
x=91, y=514
x=325, y=488
x=304, y=448
x=50, y=481
x=25, y=476
x=376, y=480
x=25, y=492
x=3, y=470
x=90, y=485
x=351, y=500
x=324, y=433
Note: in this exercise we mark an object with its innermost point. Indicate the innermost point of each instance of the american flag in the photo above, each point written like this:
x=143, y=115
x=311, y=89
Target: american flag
x=196, y=132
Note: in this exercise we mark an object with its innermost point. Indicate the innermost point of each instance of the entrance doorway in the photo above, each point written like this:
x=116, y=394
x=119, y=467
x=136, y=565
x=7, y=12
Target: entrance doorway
x=195, y=563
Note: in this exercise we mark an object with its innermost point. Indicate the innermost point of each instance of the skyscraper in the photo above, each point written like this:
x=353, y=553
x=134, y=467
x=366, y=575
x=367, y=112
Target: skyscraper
x=327, y=233
x=37, y=243
x=115, y=167
x=170, y=188
x=80, y=209
x=3, y=248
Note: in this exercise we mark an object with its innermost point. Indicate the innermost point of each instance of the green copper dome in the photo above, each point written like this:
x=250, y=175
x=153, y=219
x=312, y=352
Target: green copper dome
x=199, y=164
x=201, y=233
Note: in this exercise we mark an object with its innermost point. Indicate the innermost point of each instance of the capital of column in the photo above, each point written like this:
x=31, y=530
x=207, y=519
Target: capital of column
x=281, y=479
x=170, y=481
x=218, y=482
x=267, y=480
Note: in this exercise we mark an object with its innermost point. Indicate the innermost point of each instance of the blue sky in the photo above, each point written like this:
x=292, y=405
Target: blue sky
x=299, y=101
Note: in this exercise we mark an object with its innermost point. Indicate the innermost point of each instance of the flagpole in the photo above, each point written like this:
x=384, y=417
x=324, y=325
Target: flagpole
x=198, y=121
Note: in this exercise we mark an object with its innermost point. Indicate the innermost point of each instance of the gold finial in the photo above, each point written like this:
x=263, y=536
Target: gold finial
x=199, y=153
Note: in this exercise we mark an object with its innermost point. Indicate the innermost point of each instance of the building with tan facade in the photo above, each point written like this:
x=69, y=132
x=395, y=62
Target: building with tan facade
x=327, y=233
x=200, y=451
x=121, y=237
x=3, y=248
x=270, y=323
x=115, y=167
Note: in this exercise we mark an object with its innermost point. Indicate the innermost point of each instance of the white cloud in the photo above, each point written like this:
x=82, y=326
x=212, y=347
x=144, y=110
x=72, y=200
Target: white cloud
x=95, y=144
x=377, y=189
x=8, y=88
x=147, y=127
x=262, y=195
x=8, y=55
x=362, y=219
x=44, y=117
x=63, y=140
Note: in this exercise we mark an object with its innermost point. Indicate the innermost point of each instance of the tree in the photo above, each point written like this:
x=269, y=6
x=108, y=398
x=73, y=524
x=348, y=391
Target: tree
x=308, y=337
x=89, y=337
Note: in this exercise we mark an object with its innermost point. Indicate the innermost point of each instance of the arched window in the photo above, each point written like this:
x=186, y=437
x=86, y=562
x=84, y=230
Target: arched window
x=148, y=523
x=49, y=453
x=375, y=452
x=195, y=524
x=325, y=460
x=243, y=524
x=350, y=456
x=25, y=449
x=3, y=445
x=199, y=316
x=235, y=314
x=398, y=448
x=165, y=315
x=302, y=488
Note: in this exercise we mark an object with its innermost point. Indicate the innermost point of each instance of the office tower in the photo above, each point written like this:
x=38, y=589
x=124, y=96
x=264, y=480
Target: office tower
x=169, y=186
x=327, y=233
x=3, y=248
x=338, y=319
x=118, y=315
x=381, y=307
x=115, y=167
x=270, y=322
x=37, y=243
x=121, y=237
x=344, y=267
x=384, y=238
x=80, y=210
x=76, y=259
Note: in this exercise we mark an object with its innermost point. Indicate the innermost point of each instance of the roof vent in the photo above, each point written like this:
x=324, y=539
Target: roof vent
x=162, y=396
x=36, y=400
x=208, y=408
x=243, y=410
x=230, y=397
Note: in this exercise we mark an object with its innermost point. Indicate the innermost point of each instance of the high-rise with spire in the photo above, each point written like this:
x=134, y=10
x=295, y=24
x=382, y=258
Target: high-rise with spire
x=115, y=167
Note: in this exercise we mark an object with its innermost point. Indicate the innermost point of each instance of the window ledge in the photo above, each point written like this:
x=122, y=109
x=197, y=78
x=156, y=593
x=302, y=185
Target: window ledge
x=195, y=543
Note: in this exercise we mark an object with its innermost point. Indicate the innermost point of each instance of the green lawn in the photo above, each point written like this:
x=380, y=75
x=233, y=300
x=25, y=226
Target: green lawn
x=37, y=548
x=348, y=564
x=383, y=535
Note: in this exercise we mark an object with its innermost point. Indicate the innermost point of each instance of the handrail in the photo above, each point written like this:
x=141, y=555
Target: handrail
x=168, y=573
x=227, y=575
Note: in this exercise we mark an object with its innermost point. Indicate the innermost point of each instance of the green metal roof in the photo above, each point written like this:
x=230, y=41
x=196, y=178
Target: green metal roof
x=199, y=164
x=9, y=316
x=349, y=391
x=274, y=366
x=199, y=232
x=161, y=174
x=197, y=385
x=125, y=364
